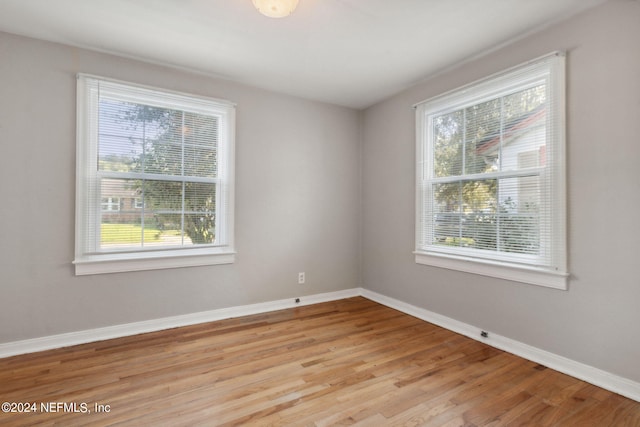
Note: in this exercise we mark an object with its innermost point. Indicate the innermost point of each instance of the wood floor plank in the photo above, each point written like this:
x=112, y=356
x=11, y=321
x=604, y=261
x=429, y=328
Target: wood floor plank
x=347, y=362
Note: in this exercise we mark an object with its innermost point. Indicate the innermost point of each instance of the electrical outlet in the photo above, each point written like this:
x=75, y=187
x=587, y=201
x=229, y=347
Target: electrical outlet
x=301, y=278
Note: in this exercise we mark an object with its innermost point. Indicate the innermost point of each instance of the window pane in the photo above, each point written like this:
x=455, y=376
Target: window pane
x=521, y=103
x=124, y=215
x=524, y=134
x=200, y=161
x=162, y=196
x=465, y=214
x=200, y=228
x=480, y=220
x=118, y=195
x=160, y=140
x=201, y=145
x=200, y=212
x=163, y=149
x=448, y=132
x=120, y=140
x=519, y=218
x=163, y=210
x=200, y=197
x=163, y=156
x=120, y=221
x=483, y=137
x=447, y=214
x=169, y=230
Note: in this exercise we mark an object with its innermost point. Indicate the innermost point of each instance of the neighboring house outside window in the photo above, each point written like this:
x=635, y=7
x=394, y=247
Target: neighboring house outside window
x=154, y=178
x=490, y=195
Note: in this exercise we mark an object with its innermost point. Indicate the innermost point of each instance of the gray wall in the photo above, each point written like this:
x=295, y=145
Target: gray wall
x=596, y=320
x=297, y=199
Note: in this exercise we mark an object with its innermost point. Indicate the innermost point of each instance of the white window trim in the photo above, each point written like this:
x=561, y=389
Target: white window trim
x=522, y=274
x=138, y=261
x=555, y=276
x=87, y=259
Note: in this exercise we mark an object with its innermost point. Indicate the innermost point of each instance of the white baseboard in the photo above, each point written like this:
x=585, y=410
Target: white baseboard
x=117, y=331
x=606, y=380
x=595, y=376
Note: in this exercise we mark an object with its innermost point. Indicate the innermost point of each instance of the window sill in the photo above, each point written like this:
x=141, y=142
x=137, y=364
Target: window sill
x=117, y=263
x=523, y=274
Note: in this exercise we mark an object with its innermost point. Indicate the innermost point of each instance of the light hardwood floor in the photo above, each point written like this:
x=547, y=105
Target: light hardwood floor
x=348, y=362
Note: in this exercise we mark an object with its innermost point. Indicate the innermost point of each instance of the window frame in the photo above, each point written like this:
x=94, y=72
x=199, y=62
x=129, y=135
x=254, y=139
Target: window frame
x=553, y=272
x=89, y=258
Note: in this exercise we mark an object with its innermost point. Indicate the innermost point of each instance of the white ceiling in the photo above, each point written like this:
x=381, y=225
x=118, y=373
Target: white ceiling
x=346, y=52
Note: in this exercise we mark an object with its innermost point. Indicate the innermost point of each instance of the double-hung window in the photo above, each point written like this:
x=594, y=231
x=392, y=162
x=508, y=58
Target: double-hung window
x=490, y=176
x=154, y=178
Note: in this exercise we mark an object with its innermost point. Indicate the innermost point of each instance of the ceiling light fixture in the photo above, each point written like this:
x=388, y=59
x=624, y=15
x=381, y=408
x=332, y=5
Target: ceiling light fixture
x=275, y=8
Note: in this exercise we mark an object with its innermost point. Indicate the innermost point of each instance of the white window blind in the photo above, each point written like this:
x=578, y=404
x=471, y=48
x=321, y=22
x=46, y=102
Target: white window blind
x=154, y=178
x=490, y=184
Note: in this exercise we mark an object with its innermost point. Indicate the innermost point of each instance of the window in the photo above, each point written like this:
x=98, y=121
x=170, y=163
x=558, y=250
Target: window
x=154, y=178
x=490, y=184
x=110, y=204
